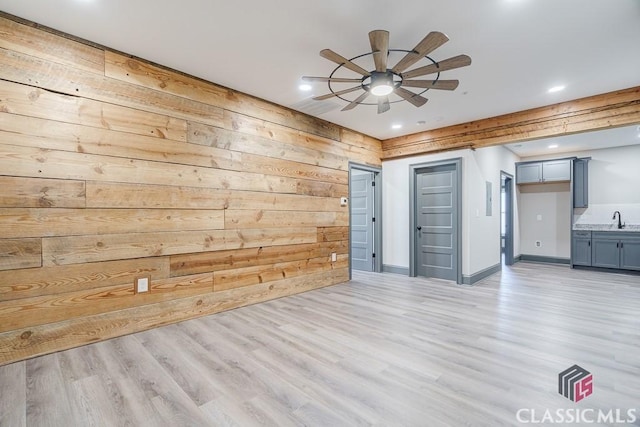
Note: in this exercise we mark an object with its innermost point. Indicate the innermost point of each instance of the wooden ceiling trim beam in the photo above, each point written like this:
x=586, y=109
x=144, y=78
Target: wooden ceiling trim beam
x=603, y=111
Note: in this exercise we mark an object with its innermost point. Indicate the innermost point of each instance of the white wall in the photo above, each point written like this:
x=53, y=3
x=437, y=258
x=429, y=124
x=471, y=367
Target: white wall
x=614, y=185
x=545, y=216
x=480, y=234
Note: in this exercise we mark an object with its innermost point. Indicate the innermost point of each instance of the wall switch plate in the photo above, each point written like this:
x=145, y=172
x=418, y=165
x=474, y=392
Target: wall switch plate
x=538, y=244
x=343, y=201
x=141, y=284
x=538, y=217
x=334, y=257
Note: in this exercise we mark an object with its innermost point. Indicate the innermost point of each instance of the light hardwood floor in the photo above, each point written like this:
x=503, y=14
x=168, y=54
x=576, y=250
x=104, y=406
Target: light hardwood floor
x=382, y=349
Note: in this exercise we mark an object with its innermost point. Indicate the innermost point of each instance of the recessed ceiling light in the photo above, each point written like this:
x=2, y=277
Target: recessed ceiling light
x=556, y=89
x=305, y=87
x=396, y=126
x=553, y=146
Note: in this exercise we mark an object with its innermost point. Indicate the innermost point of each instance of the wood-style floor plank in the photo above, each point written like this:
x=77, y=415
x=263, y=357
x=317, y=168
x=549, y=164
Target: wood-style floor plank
x=13, y=395
x=382, y=349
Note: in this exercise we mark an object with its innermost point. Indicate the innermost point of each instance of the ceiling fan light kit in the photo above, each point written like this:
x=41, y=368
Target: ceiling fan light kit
x=383, y=81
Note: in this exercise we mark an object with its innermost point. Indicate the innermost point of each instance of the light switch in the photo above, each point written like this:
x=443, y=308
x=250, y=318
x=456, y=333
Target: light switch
x=334, y=257
x=141, y=285
x=539, y=217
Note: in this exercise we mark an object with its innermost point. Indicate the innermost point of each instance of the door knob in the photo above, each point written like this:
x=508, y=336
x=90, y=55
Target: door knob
x=419, y=227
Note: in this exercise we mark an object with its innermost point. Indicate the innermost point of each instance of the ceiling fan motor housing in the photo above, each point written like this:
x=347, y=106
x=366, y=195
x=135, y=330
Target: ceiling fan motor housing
x=382, y=83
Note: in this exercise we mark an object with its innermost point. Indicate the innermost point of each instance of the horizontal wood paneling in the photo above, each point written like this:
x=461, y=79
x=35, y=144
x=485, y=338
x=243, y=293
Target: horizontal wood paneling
x=40, y=310
x=247, y=276
x=596, y=112
x=321, y=189
x=332, y=234
x=257, y=127
x=80, y=249
x=132, y=70
x=20, y=160
x=20, y=253
x=121, y=195
x=36, y=42
x=35, y=102
x=113, y=168
x=262, y=219
x=45, y=193
x=103, y=194
x=238, y=258
x=55, y=135
x=212, y=136
x=33, y=71
x=360, y=140
x=33, y=341
x=41, y=222
x=15, y=284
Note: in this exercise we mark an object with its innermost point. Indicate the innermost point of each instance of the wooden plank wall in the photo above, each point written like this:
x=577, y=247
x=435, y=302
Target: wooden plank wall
x=113, y=168
x=608, y=110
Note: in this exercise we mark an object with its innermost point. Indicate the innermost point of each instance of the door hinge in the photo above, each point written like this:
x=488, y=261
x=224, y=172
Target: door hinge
x=373, y=183
x=373, y=219
x=373, y=255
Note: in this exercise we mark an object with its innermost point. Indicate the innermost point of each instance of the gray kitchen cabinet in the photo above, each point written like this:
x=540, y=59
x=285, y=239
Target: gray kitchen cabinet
x=616, y=250
x=581, y=183
x=581, y=248
x=606, y=250
x=556, y=170
x=528, y=173
x=543, y=171
x=630, y=252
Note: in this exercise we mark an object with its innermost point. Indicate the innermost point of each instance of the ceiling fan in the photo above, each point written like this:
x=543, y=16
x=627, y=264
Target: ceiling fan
x=382, y=81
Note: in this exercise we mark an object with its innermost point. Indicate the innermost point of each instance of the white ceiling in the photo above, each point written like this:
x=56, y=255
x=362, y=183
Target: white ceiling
x=520, y=48
x=595, y=140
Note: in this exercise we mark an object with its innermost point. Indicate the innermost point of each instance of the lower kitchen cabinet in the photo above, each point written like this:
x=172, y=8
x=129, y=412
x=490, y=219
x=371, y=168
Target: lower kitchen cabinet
x=630, y=253
x=581, y=248
x=615, y=250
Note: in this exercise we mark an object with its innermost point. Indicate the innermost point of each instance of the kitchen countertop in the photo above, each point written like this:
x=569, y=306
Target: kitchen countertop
x=606, y=227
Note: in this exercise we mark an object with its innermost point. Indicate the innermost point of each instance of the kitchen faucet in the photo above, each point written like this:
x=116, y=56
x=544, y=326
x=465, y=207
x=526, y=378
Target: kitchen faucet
x=620, y=224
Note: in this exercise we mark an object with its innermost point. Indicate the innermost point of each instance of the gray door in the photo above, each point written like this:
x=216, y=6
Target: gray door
x=508, y=219
x=436, y=222
x=362, y=202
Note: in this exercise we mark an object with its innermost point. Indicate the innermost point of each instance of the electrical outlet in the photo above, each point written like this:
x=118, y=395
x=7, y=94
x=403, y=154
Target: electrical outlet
x=141, y=284
x=538, y=244
x=343, y=201
x=334, y=257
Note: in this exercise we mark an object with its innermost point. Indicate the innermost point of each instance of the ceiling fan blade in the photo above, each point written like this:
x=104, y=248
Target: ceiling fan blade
x=448, y=64
x=432, y=84
x=330, y=79
x=341, y=60
x=379, y=40
x=413, y=98
x=431, y=42
x=383, y=104
x=356, y=101
x=338, y=93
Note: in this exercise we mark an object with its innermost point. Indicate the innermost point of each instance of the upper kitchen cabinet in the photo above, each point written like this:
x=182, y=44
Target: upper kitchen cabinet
x=527, y=173
x=543, y=171
x=581, y=183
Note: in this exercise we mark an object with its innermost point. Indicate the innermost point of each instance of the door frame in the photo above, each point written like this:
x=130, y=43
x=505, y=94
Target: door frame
x=508, y=232
x=377, y=212
x=413, y=172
